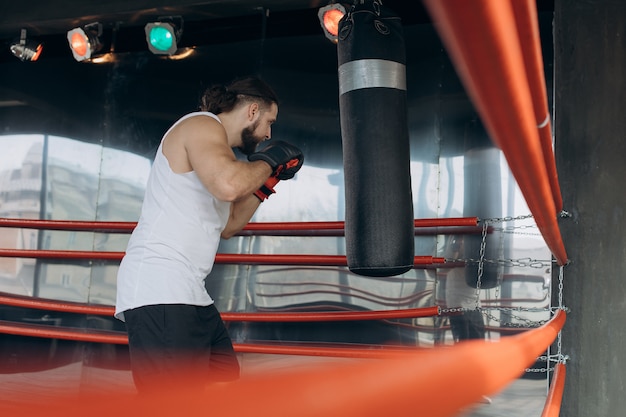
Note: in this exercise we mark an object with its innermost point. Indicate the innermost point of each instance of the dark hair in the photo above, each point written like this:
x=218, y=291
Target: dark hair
x=223, y=98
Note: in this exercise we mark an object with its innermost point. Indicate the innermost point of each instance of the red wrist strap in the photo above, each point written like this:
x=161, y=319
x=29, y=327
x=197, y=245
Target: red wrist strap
x=266, y=189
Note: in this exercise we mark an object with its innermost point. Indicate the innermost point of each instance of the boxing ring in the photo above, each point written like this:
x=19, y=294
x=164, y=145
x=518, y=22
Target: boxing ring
x=494, y=47
x=415, y=373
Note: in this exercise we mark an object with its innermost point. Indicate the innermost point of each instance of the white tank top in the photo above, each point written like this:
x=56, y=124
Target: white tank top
x=173, y=247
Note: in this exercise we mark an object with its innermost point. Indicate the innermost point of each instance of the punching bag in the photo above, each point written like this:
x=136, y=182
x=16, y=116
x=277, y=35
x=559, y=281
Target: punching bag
x=379, y=226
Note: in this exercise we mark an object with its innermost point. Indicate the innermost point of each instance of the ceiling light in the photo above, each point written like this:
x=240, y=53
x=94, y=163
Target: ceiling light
x=26, y=50
x=163, y=36
x=330, y=16
x=85, y=41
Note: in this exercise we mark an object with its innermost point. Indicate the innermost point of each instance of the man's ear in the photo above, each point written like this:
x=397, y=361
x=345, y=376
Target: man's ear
x=253, y=111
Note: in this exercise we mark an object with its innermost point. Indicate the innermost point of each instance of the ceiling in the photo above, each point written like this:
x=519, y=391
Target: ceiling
x=143, y=93
x=44, y=18
x=49, y=20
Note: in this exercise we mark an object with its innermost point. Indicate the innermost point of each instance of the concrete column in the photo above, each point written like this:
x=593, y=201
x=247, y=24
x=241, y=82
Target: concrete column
x=590, y=135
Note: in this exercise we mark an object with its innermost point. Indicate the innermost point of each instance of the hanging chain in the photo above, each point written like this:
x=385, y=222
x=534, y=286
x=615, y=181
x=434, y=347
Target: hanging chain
x=521, y=322
x=481, y=263
x=559, y=351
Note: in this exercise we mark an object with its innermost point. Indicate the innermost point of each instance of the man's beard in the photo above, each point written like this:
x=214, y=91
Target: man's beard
x=249, y=142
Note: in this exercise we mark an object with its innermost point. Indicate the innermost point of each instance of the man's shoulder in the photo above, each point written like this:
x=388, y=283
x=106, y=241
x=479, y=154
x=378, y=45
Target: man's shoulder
x=198, y=123
x=199, y=117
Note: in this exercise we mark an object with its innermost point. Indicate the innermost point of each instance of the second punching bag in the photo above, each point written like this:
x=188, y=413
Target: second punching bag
x=379, y=224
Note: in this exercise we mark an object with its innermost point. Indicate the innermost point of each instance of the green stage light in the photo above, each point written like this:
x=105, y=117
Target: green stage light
x=162, y=37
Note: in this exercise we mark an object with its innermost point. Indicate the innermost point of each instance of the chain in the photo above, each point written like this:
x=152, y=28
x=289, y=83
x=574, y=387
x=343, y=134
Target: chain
x=524, y=263
x=446, y=311
x=525, y=323
x=561, y=287
x=561, y=358
x=520, y=262
x=508, y=218
x=483, y=244
x=541, y=370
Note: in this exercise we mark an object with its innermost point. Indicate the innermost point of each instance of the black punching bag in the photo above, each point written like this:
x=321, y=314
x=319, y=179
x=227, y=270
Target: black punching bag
x=379, y=226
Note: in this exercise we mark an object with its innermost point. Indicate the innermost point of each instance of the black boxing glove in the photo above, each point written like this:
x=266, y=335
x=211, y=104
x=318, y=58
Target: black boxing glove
x=284, y=158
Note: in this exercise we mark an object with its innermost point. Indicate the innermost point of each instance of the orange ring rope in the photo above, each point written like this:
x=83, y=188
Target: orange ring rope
x=54, y=305
x=63, y=333
x=366, y=352
x=552, y=407
x=398, y=383
x=483, y=43
x=220, y=258
x=121, y=338
x=267, y=227
x=61, y=254
x=333, y=316
x=530, y=43
x=69, y=225
x=71, y=307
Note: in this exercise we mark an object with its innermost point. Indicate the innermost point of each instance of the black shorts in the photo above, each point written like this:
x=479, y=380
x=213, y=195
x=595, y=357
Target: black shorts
x=469, y=325
x=170, y=342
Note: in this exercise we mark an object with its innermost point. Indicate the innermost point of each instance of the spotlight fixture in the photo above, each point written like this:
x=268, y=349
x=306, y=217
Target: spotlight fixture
x=24, y=49
x=85, y=41
x=163, y=36
x=330, y=16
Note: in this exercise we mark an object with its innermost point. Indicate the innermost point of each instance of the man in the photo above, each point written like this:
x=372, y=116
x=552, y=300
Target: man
x=468, y=324
x=197, y=192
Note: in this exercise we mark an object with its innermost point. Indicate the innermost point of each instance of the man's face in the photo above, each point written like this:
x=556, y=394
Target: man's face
x=259, y=131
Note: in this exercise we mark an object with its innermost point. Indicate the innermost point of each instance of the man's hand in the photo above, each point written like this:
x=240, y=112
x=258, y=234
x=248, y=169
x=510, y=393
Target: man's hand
x=284, y=159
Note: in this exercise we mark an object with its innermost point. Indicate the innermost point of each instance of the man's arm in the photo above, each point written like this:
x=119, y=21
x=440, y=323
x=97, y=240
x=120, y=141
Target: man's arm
x=200, y=144
x=241, y=211
x=210, y=156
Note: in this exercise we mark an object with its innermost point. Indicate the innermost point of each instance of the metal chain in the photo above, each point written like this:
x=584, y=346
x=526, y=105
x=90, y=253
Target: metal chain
x=561, y=287
x=526, y=323
x=507, y=218
x=522, y=262
x=559, y=351
x=445, y=311
x=481, y=263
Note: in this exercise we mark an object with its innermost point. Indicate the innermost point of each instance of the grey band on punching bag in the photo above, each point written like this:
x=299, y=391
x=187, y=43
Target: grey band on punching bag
x=379, y=226
x=371, y=73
